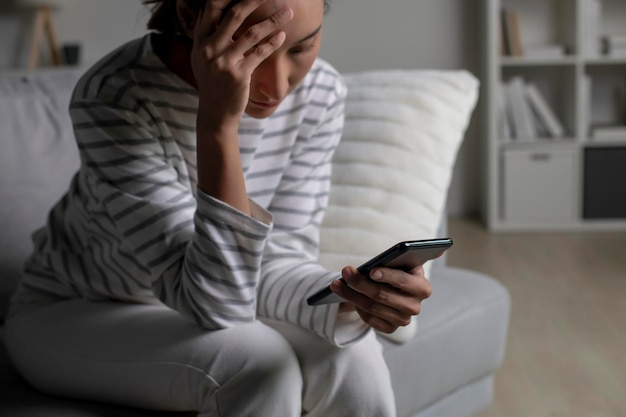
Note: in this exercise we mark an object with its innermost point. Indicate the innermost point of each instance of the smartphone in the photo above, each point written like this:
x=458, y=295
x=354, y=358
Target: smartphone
x=403, y=255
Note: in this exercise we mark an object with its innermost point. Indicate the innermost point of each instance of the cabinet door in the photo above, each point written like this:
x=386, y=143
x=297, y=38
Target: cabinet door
x=540, y=186
x=604, y=195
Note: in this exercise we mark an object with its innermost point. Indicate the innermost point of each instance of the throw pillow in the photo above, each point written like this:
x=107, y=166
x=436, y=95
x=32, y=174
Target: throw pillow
x=393, y=168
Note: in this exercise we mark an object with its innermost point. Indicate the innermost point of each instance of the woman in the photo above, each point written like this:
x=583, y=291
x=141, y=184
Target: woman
x=173, y=274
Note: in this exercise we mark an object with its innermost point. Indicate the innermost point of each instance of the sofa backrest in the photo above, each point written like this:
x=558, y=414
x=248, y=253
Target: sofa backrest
x=37, y=160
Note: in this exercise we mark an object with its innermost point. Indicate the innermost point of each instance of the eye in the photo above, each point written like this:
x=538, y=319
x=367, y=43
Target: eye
x=299, y=50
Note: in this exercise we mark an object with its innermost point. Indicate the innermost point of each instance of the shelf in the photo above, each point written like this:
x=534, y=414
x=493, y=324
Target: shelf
x=605, y=143
x=544, y=143
x=546, y=183
x=511, y=61
x=605, y=60
x=514, y=61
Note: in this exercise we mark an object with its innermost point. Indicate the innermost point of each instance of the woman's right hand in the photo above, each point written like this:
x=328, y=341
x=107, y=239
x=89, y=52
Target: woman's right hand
x=225, y=55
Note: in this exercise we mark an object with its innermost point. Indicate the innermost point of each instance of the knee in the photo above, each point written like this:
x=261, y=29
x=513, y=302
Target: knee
x=365, y=387
x=258, y=364
x=357, y=383
x=264, y=355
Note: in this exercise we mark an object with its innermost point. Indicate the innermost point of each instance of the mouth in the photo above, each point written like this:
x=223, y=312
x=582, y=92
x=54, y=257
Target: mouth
x=264, y=104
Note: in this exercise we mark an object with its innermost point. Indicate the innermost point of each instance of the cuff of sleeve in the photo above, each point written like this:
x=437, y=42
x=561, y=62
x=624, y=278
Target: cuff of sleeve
x=260, y=221
x=260, y=213
x=348, y=328
x=339, y=329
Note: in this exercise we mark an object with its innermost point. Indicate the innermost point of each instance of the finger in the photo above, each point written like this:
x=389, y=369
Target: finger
x=210, y=16
x=412, y=282
x=262, y=51
x=204, y=26
x=346, y=308
x=254, y=35
x=383, y=293
x=376, y=322
x=370, y=306
x=232, y=14
x=224, y=11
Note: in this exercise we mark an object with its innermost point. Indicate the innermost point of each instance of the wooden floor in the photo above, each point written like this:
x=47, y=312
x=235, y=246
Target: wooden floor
x=566, y=352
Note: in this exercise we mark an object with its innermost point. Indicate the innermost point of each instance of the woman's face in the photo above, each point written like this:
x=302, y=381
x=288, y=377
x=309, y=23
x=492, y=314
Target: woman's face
x=279, y=74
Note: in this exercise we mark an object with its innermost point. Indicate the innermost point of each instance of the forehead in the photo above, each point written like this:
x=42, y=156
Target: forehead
x=307, y=15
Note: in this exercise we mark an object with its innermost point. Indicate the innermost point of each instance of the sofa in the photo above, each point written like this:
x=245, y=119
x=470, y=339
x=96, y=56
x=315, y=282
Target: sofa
x=443, y=364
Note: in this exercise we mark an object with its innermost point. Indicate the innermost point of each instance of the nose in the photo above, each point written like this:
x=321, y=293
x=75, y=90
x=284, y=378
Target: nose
x=270, y=80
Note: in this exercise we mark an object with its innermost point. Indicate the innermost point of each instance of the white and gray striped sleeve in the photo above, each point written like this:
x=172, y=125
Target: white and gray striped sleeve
x=290, y=270
x=202, y=256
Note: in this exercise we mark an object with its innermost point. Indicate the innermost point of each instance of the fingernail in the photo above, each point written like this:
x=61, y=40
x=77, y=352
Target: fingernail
x=377, y=275
x=347, y=272
x=285, y=12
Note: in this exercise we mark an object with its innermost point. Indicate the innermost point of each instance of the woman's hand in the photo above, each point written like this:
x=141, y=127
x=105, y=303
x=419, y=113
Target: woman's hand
x=388, y=299
x=224, y=57
x=226, y=51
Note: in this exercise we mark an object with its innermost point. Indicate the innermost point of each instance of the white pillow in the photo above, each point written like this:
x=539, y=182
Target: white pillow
x=393, y=167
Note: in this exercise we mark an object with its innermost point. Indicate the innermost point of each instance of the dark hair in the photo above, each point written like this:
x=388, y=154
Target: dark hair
x=164, y=17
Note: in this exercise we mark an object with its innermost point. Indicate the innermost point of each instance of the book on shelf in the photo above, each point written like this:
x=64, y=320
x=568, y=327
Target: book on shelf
x=510, y=33
x=608, y=133
x=514, y=22
x=540, y=126
x=521, y=113
x=549, y=51
x=552, y=127
x=503, y=36
x=592, y=24
x=525, y=114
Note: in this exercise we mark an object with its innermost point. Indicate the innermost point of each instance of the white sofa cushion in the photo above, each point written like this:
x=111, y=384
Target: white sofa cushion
x=392, y=170
x=38, y=158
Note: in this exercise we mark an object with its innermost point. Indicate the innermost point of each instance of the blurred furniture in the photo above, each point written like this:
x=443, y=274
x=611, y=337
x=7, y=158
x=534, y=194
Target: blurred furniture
x=43, y=25
x=555, y=115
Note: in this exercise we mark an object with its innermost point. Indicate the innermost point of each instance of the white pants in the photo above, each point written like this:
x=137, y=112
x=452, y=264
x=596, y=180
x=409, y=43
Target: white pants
x=150, y=357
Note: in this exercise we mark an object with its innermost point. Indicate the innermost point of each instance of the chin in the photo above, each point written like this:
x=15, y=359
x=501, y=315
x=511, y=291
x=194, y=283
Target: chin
x=256, y=113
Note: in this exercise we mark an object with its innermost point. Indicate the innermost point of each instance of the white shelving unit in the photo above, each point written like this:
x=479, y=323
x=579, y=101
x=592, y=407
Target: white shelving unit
x=570, y=183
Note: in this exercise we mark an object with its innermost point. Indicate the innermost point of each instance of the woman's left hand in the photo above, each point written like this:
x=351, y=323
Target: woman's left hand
x=388, y=299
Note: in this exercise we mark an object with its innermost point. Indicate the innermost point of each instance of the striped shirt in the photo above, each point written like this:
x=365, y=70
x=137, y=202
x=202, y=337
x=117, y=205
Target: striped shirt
x=133, y=226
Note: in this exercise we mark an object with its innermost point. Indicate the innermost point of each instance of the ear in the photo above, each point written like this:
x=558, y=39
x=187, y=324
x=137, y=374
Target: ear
x=187, y=12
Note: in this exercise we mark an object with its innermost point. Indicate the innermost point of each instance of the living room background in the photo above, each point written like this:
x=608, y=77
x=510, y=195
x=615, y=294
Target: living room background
x=359, y=35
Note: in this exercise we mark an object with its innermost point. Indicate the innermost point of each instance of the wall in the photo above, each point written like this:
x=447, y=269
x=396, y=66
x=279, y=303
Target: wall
x=443, y=34
x=99, y=25
x=358, y=35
